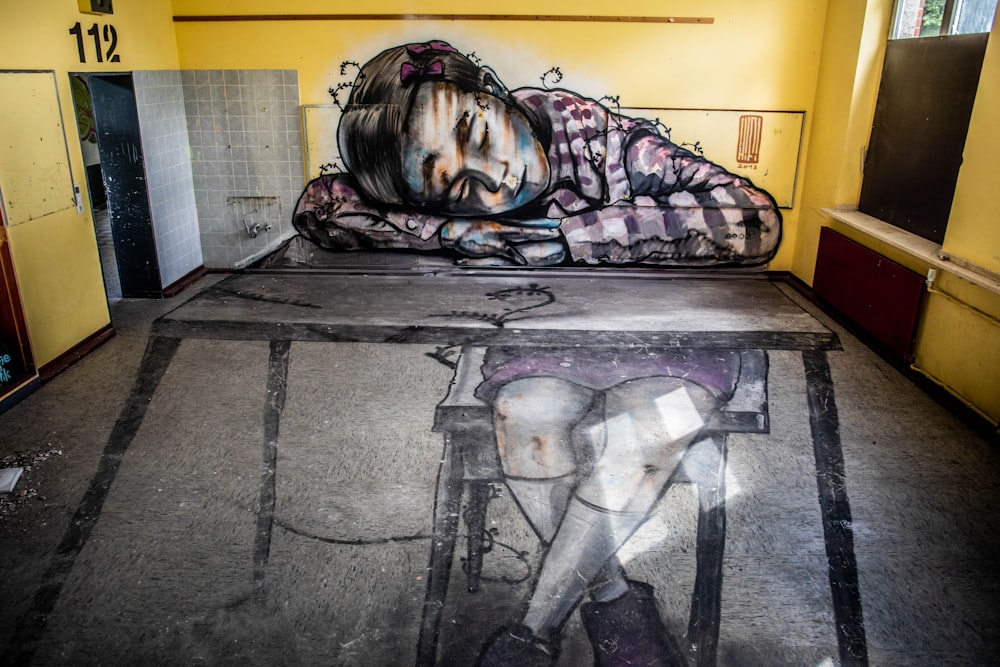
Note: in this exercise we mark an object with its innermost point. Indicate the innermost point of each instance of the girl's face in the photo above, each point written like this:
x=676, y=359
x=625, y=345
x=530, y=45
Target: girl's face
x=463, y=160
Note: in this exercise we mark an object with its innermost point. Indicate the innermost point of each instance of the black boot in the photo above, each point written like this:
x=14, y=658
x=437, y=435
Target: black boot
x=517, y=646
x=628, y=631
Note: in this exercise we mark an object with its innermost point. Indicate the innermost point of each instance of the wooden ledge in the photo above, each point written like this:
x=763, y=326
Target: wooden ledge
x=916, y=246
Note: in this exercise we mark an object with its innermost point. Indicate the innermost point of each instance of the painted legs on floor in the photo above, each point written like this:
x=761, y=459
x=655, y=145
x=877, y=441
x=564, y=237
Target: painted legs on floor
x=543, y=445
x=586, y=468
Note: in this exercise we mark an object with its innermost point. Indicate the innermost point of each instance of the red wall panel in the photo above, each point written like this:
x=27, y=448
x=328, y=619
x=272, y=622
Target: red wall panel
x=879, y=295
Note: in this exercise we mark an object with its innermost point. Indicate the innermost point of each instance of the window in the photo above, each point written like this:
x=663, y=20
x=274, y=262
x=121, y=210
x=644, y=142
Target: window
x=922, y=113
x=931, y=18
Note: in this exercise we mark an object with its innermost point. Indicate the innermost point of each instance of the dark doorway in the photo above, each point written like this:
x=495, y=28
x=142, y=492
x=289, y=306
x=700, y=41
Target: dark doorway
x=123, y=175
x=83, y=105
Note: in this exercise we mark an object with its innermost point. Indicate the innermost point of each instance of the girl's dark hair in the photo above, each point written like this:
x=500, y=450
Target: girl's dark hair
x=373, y=125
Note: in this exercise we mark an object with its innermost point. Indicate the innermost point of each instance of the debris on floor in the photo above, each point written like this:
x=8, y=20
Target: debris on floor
x=11, y=468
x=9, y=477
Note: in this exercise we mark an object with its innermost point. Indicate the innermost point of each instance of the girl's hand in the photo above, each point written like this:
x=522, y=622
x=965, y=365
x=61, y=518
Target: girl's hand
x=519, y=244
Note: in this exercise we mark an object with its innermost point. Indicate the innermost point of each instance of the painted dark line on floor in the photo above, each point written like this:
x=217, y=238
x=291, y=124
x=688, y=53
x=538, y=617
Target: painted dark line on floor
x=483, y=335
x=219, y=295
x=706, y=598
x=836, y=510
x=159, y=353
x=352, y=543
x=274, y=403
x=447, y=507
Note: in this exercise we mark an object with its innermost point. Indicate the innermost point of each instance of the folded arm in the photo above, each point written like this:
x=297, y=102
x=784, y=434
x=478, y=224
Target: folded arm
x=332, y=214
x=683, y=210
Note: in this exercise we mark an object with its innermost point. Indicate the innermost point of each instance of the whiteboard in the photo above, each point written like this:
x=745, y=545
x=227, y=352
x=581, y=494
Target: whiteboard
x=319, y=127
x=763, y=146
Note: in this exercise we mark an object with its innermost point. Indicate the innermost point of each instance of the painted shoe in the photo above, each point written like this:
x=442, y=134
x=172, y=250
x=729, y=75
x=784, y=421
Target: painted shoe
x=629, y=631
x=517, y=646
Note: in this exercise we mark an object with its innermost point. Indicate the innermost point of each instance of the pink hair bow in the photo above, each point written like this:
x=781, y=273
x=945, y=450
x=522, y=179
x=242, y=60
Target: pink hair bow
x=435, y=45
x=408, y=70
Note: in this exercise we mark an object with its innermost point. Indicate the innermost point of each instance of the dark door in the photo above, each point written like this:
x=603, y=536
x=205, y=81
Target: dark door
x=124, y=178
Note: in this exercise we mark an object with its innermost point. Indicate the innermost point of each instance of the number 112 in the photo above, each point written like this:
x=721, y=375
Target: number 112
x=110, y=36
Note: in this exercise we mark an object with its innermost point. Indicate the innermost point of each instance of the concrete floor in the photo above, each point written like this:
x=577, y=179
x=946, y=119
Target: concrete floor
x=156, y=533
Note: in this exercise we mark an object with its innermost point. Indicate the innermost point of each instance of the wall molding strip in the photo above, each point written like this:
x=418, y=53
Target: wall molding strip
x=443, y=17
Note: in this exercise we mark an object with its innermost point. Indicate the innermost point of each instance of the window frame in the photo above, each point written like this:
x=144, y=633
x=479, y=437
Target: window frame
x=947, y=27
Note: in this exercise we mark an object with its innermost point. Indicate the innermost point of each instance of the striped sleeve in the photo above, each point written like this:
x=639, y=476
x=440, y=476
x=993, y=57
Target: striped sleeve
x=684, y=211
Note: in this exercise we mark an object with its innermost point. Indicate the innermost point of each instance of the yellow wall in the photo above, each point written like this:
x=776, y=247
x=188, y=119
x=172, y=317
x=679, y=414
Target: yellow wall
x=973, y=232
x=853, y=44
x=959, y=343
x=55, y=255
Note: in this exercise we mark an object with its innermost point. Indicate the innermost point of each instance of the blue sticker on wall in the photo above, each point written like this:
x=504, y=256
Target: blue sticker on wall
x=5, y=375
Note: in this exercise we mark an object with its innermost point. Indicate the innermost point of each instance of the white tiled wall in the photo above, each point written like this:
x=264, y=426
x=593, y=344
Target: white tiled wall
x=245, y=136
x=160, y=103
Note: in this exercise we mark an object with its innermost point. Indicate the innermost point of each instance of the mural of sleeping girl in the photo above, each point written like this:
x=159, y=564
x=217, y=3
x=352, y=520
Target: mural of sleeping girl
x=441, y=155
